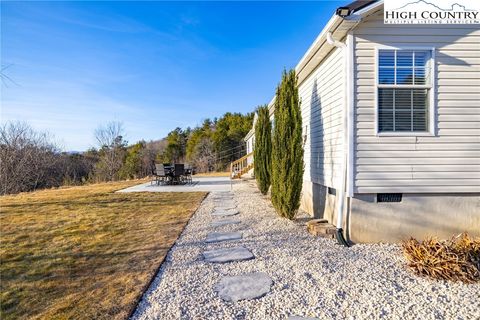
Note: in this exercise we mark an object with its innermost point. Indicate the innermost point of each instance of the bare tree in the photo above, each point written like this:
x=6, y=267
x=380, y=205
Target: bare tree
x=204, y=156
x=112, y=150
x=28, y=159
x=4, y=77
x=76, y=168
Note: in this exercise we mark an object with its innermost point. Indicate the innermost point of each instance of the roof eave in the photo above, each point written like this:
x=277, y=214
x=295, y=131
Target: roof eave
x=335, y=23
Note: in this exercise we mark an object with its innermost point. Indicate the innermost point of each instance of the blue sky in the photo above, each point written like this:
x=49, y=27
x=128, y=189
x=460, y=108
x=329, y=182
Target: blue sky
x=151, y=65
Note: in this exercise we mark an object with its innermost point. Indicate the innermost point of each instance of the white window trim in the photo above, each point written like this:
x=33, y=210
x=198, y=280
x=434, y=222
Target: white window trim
x=432, y=125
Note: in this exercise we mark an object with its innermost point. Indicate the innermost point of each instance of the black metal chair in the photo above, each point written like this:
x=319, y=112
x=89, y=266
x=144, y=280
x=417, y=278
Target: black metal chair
x=188, y=173
x=160, y=175
x=178, y=172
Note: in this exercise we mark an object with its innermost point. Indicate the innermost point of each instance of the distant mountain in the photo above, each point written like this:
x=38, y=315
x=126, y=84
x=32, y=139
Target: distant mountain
x=425, y=5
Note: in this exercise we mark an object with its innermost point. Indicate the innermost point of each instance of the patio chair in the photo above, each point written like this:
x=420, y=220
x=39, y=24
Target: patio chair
x=188, y=173
x=179, y=172
x=159, y=175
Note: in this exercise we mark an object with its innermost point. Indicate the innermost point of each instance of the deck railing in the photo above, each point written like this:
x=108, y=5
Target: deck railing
x=241, y=166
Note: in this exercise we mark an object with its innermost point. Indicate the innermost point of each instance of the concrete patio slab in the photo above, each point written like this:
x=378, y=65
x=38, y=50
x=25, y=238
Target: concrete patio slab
x=225, y=255
x=223, y=236
x=201, y=184
x=224, y=222
x=244, y=287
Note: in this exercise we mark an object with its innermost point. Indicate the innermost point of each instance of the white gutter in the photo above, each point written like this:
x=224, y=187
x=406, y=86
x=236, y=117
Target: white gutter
x=317, y=43
x=362, y=13
x=350, y=112
x=341, y=197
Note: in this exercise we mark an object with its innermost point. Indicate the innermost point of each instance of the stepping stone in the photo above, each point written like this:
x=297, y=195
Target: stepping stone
x=244, y=287
x=224, y=213
x=224, y=222
x=223, y=194
x=223, y=199
x=223, y=236
x=226, y=195
x=228, y=255
x=225, y=207
x=225, y=203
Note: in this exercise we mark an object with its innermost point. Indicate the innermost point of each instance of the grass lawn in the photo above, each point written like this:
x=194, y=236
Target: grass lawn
x=85, y=252
x=213, y=174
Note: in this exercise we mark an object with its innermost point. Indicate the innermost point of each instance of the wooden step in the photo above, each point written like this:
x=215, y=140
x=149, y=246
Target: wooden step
x=243, y=171
x=321, y=228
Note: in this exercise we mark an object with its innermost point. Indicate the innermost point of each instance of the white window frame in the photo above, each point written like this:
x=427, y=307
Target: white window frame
x=432, y=93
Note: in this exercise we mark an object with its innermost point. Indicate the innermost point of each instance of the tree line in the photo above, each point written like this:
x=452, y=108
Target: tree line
x=31, y=160
x=210, y=146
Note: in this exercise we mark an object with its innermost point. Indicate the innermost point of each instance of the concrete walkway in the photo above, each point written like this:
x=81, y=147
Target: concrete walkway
x=201, y=184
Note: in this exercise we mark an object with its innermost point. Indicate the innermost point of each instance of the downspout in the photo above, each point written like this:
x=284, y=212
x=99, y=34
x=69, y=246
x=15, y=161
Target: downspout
x=341, y=199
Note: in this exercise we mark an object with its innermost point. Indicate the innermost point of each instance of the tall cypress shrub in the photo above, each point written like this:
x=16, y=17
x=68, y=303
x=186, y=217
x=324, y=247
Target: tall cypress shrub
x=262, y=153
x=287, y=149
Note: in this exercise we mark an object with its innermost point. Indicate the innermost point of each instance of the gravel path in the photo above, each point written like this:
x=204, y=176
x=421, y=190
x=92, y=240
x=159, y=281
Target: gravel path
x=312, y=277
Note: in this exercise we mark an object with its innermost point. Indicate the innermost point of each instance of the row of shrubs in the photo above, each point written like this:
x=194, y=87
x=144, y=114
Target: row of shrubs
x=278, y=151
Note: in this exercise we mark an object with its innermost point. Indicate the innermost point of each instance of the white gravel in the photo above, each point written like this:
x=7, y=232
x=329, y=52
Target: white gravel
x=312, y=277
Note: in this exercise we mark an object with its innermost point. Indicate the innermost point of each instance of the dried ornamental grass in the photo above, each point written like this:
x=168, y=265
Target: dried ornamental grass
x=457, y=259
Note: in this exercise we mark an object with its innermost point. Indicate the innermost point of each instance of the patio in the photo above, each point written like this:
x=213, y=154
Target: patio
x=205, y=184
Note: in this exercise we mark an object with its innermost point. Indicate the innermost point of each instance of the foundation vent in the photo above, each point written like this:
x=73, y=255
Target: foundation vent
x=389, y=197
x=332, y=191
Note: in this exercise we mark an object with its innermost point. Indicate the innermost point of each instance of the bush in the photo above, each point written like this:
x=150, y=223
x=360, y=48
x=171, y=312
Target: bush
x=457, y=259
x=262, y=153
x=287, y=149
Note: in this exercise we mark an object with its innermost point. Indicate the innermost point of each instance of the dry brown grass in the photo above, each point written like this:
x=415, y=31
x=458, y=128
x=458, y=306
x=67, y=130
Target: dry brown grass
x=85, y=252
x=457, y=259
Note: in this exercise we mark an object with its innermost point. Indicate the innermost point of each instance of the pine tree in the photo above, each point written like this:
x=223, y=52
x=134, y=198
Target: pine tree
x=262, y=153
x=287, y=149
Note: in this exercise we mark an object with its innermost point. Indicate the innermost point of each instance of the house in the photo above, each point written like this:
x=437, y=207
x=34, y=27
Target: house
x=391, y=118
x=250, y=137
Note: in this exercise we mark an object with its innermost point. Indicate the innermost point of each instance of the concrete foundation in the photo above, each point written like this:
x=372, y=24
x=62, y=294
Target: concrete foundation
x=313, y=199
x=417, y=215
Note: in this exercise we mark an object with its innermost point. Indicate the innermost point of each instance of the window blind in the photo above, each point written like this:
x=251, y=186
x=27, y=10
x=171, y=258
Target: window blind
x=403, y=90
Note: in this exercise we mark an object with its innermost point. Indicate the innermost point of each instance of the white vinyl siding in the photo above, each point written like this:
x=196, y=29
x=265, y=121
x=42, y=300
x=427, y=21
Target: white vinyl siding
x=322, y=98
x=446, y=161
x=249, y=145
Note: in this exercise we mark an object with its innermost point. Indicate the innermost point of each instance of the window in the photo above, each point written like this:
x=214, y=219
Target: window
x=404, y=89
